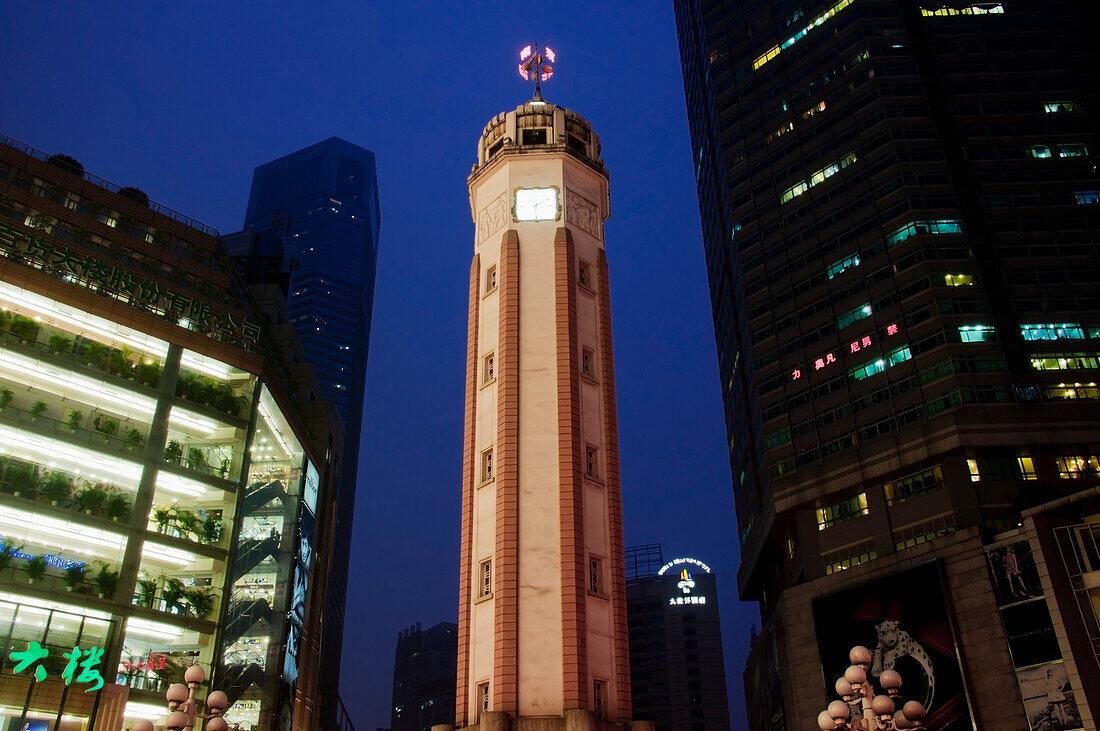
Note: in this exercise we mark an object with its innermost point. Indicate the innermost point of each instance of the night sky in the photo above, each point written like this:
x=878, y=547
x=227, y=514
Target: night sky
x=183, y=100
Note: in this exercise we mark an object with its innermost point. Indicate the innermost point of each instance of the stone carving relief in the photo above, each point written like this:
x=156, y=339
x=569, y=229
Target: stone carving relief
x=582, y=213
x=493, y=217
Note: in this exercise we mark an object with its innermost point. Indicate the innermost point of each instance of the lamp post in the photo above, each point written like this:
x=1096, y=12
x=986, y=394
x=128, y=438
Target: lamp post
x=861, y=709
x=183, y=706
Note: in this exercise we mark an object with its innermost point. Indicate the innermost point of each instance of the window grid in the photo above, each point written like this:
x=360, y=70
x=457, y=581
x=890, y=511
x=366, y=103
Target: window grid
x=842, y=511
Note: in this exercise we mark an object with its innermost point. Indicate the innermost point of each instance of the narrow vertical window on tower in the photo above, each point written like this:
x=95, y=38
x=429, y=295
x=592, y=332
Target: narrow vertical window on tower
x=588, y=363
x=490, y=368
x=485, y=576
x=592, y=462
x=595, y=575
x=482, y=697
x=584, y=276
x=490, y=279
x=599, y=698
x=487, y=465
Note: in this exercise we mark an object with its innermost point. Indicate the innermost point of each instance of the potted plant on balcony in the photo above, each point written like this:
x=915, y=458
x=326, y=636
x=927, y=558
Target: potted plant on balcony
x=172, y=593
x=57, y=487
x=59, y=343
x=135, y=440
x=74, y=575
x=196, y=460
x=147, y=592
x=35, y=567
x=187, y=386
x=90, y=499
x=162, y=517
x=106, y=580
x=116, y=506
x=187, y=523
x=8, y=549
x=208, y=391
x=119, y=362
x=75, y=419
x=24, y=479
x=200, y=601
x=108, y=427
x=95, y=354
x=6, y=396
x=148, y=373
x=24, y=328
x=223, y=469
x=173, y=451
x=211, y=530
x=38, y=408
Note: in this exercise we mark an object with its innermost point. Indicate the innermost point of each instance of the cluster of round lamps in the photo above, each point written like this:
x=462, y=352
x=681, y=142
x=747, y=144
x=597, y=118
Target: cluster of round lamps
x=181, y=705
x=861, y=709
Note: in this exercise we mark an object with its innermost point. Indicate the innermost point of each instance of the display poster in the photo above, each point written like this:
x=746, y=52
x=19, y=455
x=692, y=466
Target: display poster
x=904, y=621
x=1015, y=577
x=303, y=558
x=763, y=686
x=1030, y=633
x=1048, y=698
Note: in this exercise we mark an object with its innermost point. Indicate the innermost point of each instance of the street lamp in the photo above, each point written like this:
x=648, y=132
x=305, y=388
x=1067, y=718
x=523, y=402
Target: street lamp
x=878, y=712
x=183, y=707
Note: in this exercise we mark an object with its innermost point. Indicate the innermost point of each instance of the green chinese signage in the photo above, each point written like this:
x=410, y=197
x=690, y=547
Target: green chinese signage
x=141, y=292
x=88, y=667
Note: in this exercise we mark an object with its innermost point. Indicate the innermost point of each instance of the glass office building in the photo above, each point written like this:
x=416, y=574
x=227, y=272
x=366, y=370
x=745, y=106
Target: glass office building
x=157, y=489
x=312, y=223
x=902, y=227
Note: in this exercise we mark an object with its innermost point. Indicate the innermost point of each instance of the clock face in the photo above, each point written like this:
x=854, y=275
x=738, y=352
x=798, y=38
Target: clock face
x=536, y=204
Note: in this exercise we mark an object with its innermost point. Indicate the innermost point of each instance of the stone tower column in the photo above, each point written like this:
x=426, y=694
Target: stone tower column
x=542, y=609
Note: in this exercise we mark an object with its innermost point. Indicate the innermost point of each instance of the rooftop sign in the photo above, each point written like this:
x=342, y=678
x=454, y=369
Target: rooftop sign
x=678, y=561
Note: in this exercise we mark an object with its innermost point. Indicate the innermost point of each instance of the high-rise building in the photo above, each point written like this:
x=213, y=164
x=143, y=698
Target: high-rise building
x=542, y=599
x=163, y=470
x=900, y=204
x=312, y=225
x=677, y=671
x=424, y=672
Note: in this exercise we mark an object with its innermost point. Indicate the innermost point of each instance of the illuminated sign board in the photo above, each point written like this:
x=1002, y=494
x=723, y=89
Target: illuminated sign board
x=88, y=670
x=138, y=290
x=853, y=347
x=685, y=587
x=677, y=561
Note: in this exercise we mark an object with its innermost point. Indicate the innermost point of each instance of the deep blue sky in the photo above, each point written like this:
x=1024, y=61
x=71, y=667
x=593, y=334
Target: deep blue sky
x=183, y=100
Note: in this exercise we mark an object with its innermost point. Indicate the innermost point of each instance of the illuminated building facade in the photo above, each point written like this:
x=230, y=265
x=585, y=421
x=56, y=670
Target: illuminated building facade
x=901, y=226
x=542, y=599
x=312, y=225
x=159, y=501
x=676, y=668
x=424, y=667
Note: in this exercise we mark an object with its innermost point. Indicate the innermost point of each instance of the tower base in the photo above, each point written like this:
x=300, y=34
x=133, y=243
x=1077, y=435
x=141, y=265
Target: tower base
x=577, y=720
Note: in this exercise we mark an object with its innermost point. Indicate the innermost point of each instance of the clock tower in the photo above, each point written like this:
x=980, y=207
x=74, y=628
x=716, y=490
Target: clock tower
x=542, y=613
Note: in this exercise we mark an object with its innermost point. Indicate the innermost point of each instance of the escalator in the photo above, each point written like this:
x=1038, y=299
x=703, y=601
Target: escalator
x=250, y=552
x=259, y=494
x=242, y=616
x=238, y=678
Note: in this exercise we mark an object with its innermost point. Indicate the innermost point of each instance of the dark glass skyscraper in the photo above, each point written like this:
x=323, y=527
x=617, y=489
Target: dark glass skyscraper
x=901, y=217
x=314, y=217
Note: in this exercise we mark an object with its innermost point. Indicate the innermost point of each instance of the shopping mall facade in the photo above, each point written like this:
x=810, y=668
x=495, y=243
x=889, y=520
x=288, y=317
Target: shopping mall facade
x=165, y=464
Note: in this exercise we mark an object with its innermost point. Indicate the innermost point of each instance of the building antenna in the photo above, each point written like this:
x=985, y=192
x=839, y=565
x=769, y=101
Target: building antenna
x=535, y=66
